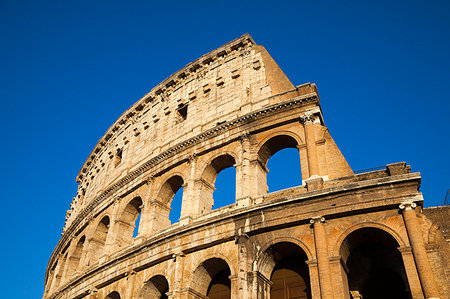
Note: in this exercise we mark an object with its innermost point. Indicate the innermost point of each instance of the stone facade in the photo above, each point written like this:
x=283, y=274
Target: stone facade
x=338, y=235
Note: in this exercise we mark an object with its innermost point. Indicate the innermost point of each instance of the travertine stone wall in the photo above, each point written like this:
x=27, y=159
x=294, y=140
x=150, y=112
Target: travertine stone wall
x=234, y=107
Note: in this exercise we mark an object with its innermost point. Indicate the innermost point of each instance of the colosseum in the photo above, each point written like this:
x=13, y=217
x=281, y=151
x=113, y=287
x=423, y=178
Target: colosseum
x=337, y=235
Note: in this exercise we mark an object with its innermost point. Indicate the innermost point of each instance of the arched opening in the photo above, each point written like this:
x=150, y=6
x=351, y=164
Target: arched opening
x=211, y=278
x=226, y=193
x=225, y=186
x=375, y=266
x=279, y=163
x=166, y=208
x=290, y=273
x=59, y=272
x=113, y=295
x=97, y=243
x=75, y=257
x=175, y=206
x=128, y=223
x=155, y=288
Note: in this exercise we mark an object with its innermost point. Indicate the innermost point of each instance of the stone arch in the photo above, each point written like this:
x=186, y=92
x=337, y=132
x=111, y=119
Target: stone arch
x=265, y=261
x=113, y=295
x=156, y=287
x=127, y=219
x=160, y=207
x=380, y=226
x=74, y=259
x=283, y=263
x=169, y=186
x=206, y=183
x=266, y=149
x=275, y=142
x=374, y=265
x=98, y=240
x=59, y=271
x=212, y=277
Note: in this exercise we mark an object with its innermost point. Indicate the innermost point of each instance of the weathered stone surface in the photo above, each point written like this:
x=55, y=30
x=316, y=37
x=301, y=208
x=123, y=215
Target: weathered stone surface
x=234, y=107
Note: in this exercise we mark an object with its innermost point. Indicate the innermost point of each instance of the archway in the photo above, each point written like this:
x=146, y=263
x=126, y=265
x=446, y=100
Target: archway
x=98, y=240
x=75, y=258
x=207, y=184
x=128, y=221
x=279, y=163
x=155, y=288
x=211, y=279
x=290, y=273
x=375, y=266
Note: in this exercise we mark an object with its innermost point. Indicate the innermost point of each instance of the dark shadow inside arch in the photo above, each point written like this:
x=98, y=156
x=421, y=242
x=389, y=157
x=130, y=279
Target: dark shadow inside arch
x=290, y=275
x=113, y=295
x=211, y=279
x=375, y=266
x=97, y=243
x=156, y=287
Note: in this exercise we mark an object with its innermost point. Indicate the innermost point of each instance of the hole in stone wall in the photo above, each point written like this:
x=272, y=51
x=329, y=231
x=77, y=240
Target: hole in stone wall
x=175, y=213
x=225, y=185
x=136, y=226
x=182, y=112
x=284, y=170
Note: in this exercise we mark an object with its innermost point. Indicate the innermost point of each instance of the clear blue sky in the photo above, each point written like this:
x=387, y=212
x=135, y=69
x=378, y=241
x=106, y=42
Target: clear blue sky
x=68, y=69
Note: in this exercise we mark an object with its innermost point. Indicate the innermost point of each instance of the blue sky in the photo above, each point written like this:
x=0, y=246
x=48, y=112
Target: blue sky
x=68, y=69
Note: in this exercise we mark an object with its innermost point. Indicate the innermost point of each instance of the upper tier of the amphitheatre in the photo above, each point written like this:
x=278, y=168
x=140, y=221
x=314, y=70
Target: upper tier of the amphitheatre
x=226, y=83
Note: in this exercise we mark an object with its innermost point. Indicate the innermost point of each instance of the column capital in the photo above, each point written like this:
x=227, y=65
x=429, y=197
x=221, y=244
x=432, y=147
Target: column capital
x=307, y=118
x=407, y=205
x=317, y=219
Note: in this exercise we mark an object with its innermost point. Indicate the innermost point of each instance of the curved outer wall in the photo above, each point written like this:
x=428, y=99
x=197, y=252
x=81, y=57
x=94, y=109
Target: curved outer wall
x=233, y=107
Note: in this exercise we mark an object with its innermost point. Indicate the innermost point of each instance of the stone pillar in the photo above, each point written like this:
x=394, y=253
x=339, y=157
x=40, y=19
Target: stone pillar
x=311, y=148
x=411, y=272
x=234, y=279
x=129, y=290
x=243, y=175
x=419, y=252
x=314, y=279
x=144, y=223
x=339, y=273
x=112, y=231
x=187, y=207
x=242, y=240
x=320, y=240
x=261, y=286
x=177, y=284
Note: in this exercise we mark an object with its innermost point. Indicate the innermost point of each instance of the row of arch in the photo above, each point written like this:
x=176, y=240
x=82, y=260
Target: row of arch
x=373, y=269
x=130, y=222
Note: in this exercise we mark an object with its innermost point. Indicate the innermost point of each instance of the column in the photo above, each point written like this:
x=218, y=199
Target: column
x=243, y=176
x=311, y=149
x=187, y=207
x=320, y=240
x=314, y=279
x=418, y=248
x=177, y=284
x=411, y=272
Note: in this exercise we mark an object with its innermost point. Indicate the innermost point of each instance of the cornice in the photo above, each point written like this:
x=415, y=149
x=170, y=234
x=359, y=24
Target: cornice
x=137, y=107
x=323, y=194
x=172, y=151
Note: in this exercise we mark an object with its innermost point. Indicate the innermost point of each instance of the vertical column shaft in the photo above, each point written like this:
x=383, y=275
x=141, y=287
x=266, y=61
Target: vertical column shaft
x=418, y=247
x=311, y=147
x=320, y=240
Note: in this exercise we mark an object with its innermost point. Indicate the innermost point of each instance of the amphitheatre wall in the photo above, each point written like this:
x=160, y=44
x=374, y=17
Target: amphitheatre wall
x=234, y=107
